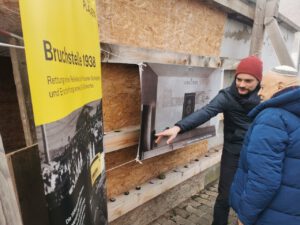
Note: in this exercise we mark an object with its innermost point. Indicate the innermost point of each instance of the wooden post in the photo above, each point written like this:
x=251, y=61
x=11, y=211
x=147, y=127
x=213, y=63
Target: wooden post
x=275, y=35
x=278, y=44
x=23, y=93
x=24, y=164
x=258, y=28
x=296, y=50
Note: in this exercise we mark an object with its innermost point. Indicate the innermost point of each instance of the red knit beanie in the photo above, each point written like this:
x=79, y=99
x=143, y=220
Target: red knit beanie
x=250, y=65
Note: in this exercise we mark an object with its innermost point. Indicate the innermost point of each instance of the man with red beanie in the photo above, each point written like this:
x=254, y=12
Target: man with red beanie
x=234, y=102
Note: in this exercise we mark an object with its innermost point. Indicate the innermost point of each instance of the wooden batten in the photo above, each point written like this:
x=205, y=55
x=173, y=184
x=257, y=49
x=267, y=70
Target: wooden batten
x=122, y=138
x=23, y=93
x=115, y=53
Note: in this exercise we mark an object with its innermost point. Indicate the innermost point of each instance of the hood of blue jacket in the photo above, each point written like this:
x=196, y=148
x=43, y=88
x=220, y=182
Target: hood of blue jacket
x=288, y=100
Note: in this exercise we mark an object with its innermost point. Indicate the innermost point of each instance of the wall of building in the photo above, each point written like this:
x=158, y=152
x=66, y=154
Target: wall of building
x=183, y=26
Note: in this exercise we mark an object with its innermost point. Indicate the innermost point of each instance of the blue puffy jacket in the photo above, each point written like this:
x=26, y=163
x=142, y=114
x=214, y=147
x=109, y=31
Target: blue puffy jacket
x=266, y=187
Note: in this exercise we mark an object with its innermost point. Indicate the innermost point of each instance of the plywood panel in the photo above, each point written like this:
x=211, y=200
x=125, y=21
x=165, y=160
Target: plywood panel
x=188, y=26
x=130, y=175
x=121, y=96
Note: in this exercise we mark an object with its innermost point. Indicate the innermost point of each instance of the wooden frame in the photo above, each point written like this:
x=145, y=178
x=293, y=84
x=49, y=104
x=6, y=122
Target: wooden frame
x=114, y=53
x=125, y=203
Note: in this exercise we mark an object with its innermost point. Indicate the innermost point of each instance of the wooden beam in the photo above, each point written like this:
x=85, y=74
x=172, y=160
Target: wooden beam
x=9, y=208
x=278, y=44
x=296, y=50
x=237, y=6
x=122, y=138
x=286, y=22
x=150, y=190
x=271, y=8
x=257, y=36
x=248, y=11
x=113, y=53
x=23, y=93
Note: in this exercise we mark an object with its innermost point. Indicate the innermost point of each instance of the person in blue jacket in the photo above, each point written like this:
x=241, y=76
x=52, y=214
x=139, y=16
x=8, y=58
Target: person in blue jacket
x=266, y=186
x=234, y=102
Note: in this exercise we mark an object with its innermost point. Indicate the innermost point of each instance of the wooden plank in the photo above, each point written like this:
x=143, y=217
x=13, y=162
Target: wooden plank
x=286, y=22
x=237, y=6
x=122, y=138
x=9, y=209
x=277, y=41
x=10, y=120
x=148, y=191
x=26, y=169
x=248, y=11
x=114, y=53
x=257, y=36
x=271, y=8
x=23, y=93
x=296, y=50
x=127, y=174
x=274, y=33
x=168, y=200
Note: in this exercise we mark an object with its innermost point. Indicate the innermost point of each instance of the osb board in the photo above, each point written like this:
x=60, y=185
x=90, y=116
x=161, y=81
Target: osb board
x=121, y=96
x=130, y=175
x=10, y=120
x=187, y=26
x=10, y=16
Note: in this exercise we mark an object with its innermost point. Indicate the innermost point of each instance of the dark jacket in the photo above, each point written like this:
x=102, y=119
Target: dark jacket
x=235, y=110
x=266, y=187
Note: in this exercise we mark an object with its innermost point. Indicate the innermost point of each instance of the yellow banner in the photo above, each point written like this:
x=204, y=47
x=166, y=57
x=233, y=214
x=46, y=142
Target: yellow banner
x=63, y=56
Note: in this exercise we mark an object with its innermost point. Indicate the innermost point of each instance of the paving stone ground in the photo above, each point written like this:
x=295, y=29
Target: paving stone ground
x=197, y=210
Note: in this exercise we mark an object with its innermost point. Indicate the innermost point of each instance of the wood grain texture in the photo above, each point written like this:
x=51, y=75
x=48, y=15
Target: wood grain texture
x=159, y=196
x=124, y=54
x=122, y=138
x=23, y=92
x=26, y=170
x=188, y=26
x=9, y=209
x=121, y=96
x=10, y=122
x=10, y=16
x=133, y=174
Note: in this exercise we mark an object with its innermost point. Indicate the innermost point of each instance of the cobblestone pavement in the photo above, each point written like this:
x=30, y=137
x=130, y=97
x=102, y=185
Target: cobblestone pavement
x=197, y=210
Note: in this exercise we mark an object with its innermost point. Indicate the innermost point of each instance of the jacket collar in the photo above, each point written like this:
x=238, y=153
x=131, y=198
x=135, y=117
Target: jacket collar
x=288, y=99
